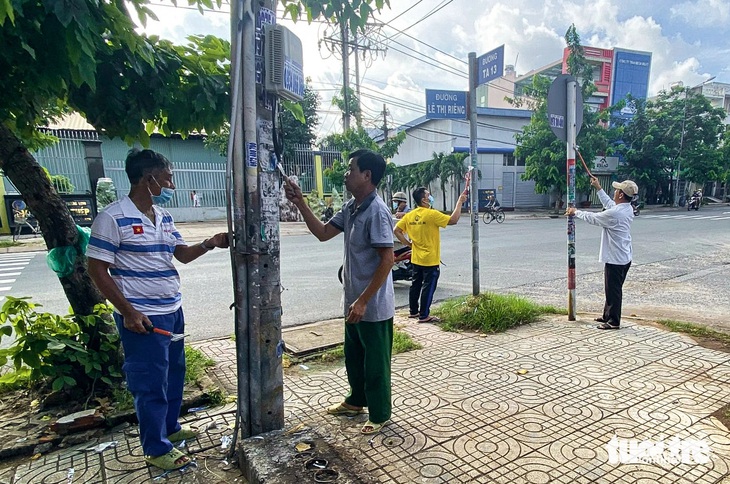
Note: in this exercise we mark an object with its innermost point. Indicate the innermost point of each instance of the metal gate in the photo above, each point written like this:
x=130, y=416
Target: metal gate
x=508, y=189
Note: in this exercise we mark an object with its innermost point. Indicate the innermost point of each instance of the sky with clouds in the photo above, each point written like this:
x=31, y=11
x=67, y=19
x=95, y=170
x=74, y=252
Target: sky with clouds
x=427, y=43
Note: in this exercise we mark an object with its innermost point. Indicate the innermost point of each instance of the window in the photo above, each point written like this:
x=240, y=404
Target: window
x=510, y=160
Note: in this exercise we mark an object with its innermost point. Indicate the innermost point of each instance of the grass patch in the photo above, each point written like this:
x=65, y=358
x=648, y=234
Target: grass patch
x=696, y=330
x=402, y=342
x=123, y=399
x=196, y=362
x=490, y=313
x=8, y=243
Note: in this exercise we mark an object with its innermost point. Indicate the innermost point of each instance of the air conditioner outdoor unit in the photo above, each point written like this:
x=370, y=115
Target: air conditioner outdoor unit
x=283, y=54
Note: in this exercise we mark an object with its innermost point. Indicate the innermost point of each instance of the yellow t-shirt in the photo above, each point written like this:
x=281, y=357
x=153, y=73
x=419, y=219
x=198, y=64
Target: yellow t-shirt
x=422, y=225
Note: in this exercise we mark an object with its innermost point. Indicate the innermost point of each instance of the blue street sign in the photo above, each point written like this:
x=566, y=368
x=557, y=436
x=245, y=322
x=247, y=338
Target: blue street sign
x=445, y=104
x=490, y=65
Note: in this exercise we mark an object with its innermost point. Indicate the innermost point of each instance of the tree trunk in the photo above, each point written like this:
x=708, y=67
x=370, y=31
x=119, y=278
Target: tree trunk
x=54, y=219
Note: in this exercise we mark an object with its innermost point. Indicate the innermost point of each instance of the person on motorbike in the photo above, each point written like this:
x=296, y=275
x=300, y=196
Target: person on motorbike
x=421, y=225
x=400, y=204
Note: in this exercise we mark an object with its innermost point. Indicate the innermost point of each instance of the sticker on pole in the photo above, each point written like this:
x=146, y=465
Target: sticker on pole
x=557, y=107
x=252, y=157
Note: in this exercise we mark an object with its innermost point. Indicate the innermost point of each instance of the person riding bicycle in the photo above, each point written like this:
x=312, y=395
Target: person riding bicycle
x=492, y=203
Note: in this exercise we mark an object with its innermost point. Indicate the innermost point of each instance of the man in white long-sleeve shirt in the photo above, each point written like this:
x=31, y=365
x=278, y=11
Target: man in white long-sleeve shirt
x=615, y=250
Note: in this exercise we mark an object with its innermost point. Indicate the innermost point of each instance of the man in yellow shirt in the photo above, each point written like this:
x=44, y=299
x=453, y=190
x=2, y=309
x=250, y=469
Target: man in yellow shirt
x=421, y=226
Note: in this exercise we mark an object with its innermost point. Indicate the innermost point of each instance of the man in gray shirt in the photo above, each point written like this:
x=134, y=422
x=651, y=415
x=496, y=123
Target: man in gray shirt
x=615, y=252
x=369, y=299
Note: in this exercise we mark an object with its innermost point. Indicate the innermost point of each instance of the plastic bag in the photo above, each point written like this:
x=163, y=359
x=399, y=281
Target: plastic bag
x=61, y=259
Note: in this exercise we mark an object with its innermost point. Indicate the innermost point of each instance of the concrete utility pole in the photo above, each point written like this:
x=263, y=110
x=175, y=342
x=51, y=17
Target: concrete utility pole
x=345, y=39
x=254, y=219
x=474, y=196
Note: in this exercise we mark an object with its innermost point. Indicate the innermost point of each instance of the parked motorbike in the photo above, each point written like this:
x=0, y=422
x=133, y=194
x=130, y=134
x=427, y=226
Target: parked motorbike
x=402, y=266
x=694, y=202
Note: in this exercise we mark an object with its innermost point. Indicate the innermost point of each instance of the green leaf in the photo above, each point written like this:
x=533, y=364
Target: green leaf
x=6, y=330
x=6, y=11
x=296, y=110
x=57, y=384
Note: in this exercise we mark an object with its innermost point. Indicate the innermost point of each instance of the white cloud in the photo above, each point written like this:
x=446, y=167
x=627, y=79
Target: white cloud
x=532, y=33
x=703, y=13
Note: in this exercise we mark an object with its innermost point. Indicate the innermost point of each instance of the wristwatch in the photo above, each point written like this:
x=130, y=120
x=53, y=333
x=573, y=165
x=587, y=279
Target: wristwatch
x=205, y=247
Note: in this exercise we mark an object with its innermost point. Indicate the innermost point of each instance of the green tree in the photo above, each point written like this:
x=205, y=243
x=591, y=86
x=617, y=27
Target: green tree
x=87, y=56
x=355, y=139
x=725, y=157
x=677, y=129
x=353, y=13
x=451, y=169
x=348, y=103
x=544, y=154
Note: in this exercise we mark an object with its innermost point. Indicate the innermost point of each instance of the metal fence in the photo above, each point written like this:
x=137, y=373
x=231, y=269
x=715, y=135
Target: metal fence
x=67, y=157
x=305, y=168
x=207, y=179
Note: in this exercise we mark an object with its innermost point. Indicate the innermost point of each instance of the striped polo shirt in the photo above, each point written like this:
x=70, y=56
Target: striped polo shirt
x=140, y=254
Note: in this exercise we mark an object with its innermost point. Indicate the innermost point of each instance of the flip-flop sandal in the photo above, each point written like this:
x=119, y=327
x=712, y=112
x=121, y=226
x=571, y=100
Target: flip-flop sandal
x=340, y=409
x=430, y=319
x=185, y=433
x=600, y=320
x=414, y=316
x=607, y=326
x=372, y=428
x=174, y=459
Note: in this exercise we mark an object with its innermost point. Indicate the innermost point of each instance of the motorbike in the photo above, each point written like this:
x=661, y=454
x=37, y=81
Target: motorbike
x=402, y=266
x=694, y=202
x=635, y=206
x=327, y=214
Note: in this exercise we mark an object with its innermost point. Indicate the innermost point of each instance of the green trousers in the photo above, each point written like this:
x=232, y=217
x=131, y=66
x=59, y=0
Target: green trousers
x=368, y=347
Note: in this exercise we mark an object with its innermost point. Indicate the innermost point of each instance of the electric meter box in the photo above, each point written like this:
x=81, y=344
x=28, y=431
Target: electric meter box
x=283, y=54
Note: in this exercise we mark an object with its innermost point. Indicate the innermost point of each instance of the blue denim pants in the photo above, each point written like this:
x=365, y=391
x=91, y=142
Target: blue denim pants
x=155, y=371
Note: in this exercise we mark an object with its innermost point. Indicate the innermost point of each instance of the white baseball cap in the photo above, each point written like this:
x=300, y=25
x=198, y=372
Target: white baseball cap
x=627, y=186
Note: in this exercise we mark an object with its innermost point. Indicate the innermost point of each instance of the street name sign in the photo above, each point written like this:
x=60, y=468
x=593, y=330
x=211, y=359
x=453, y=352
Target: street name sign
x=490, y=65
x=445, y=104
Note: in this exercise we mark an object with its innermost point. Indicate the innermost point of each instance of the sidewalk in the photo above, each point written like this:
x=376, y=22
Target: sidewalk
x=540, y=403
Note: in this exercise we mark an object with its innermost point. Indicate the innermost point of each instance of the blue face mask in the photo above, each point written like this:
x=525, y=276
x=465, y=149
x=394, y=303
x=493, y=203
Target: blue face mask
x=430, y=200
x=395, y=205
x=165, y=195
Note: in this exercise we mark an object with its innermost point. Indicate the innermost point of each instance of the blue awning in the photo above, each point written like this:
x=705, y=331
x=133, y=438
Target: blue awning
x=484, y=150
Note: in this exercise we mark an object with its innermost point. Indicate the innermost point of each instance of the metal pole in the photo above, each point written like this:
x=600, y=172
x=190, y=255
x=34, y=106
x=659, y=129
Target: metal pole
x=474, y=197
x=571, y=134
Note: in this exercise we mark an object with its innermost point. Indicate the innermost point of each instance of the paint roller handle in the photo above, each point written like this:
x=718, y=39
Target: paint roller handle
x=163, y=332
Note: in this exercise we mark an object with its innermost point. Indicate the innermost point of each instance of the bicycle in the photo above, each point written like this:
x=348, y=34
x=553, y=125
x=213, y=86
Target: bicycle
x=493, y=214
x=23, y=218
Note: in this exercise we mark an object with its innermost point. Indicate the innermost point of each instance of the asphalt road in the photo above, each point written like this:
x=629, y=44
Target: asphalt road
x=673, y=251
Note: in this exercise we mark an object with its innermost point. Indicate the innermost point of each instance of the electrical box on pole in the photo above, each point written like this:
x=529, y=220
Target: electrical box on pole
x=283, y=53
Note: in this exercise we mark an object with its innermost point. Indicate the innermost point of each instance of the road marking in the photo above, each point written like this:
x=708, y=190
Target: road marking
x=12, y=265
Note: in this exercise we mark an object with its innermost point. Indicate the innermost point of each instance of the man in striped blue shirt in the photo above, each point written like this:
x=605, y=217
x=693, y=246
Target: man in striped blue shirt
x=130, y=256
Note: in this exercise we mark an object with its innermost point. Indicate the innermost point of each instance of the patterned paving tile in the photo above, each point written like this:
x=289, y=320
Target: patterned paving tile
x=464, y=412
